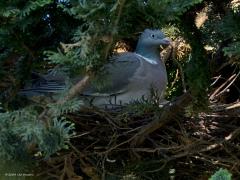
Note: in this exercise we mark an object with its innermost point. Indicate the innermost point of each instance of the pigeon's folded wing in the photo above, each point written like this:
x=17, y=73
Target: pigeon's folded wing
x=119, y=72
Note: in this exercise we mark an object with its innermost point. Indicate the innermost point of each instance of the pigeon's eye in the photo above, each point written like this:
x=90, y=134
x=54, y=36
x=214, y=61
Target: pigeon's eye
x=153, y=36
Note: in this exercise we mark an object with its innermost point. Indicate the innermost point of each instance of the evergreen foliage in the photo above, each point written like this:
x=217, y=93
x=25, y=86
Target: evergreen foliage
x=21, y=128
x=223, y=29
x=78, y=37
x=221, y=174
x=70, y=106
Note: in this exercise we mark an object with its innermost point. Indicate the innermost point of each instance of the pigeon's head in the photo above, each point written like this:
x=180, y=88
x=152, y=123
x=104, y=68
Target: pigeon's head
x=153, y=38
x=149, y=43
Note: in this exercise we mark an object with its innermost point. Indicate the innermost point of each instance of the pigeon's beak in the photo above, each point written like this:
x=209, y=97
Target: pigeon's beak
x=166, y=41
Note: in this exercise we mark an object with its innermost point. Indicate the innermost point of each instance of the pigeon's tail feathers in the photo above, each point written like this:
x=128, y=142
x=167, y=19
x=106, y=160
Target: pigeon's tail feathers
x=45, y=87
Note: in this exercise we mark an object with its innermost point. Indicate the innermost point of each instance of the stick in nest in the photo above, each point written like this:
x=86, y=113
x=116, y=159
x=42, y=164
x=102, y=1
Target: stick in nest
x=169, y=110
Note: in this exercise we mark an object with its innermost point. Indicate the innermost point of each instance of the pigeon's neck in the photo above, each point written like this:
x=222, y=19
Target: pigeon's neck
x=149, y=53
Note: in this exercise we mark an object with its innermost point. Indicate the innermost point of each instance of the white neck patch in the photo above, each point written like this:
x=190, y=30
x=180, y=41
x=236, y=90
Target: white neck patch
x=147, y=59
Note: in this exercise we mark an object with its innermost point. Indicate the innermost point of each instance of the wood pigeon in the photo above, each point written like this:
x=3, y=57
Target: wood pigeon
x=131, y=75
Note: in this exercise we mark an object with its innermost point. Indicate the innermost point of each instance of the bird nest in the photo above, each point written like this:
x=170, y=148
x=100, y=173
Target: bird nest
x=149, y=142
x=145, y=141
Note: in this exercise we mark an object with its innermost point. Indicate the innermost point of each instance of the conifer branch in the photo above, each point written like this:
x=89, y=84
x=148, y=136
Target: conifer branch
x=114, y=29
x=74, y=91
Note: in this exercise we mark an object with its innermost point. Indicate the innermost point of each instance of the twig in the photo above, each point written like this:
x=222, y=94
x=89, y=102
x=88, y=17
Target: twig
x=74, y=91
x=107, y=117
x=228, y=85
x=219, y=89
x=169, y=111
x=67, y=47
x=236, y=105
x=175, y=79
x=216, y=79
x=209, y=159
